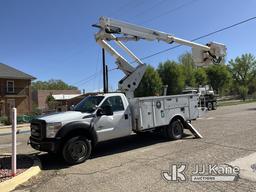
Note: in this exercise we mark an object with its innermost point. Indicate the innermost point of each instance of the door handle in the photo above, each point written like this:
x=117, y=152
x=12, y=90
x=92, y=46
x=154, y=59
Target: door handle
x=125, y=116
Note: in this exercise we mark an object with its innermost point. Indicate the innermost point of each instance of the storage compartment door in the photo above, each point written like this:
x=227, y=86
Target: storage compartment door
x=160, y=116
x=146, y=114
x=193, y=107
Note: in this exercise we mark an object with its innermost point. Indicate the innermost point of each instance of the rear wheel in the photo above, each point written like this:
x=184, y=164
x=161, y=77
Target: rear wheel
x=174, y=130
x=214, y=105
x=209, y=106
x=76, y=150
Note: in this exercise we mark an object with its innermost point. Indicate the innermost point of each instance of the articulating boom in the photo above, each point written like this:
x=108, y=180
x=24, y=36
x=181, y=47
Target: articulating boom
x=203, y=55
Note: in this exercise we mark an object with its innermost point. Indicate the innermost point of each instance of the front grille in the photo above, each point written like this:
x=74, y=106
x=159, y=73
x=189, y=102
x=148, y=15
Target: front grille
x=37, y=128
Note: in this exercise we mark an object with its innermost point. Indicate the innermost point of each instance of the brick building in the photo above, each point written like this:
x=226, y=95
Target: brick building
x=15, y=91
x=39, y=96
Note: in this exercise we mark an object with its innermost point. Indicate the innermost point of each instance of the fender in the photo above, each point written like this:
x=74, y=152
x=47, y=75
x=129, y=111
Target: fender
x=177, y=115
x=181, y=117
x=78, y=126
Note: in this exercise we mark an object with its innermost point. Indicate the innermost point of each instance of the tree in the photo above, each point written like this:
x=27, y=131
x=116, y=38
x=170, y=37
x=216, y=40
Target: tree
x=50, y=101
x=219, y=77
x=52, y=84
x=188, y=65
x=243, y=91
x=252, y=86
x=200, y=77
x=150, y=84
x=244, y=72
x=172, y=75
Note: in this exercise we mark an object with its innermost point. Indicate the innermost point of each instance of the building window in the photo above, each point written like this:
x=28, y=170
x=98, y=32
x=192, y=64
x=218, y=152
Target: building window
x=10, y=86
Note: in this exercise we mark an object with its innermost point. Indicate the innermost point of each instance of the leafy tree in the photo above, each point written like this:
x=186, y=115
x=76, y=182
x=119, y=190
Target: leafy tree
x=52, y=84
x=243, y=91
x=172, y=75
x=219, y=77
x=150, y=84
x=50, y=101
x=252, y=86
x=200, y=77
x=244, y=72
x=188, y=65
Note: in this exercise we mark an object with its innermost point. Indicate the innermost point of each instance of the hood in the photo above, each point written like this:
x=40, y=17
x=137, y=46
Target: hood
x=64, y=117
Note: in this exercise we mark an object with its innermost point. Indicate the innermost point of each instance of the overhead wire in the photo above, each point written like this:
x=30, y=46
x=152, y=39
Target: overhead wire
x=169, y=11
x=159, y=2
x=200, y=37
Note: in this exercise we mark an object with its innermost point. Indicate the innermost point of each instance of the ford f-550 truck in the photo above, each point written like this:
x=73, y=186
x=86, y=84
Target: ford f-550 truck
x=106, y=116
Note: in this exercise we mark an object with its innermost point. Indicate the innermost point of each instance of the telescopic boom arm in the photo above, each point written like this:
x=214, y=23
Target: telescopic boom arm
x=119, y=31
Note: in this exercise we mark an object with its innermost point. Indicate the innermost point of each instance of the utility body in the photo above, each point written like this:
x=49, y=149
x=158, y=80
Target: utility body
x=107, y=116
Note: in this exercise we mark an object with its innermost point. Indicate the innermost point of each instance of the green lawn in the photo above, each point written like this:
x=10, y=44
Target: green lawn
x=235, y=102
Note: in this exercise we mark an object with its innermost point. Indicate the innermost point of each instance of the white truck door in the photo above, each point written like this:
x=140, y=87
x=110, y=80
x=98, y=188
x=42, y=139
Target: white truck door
x=116, y=125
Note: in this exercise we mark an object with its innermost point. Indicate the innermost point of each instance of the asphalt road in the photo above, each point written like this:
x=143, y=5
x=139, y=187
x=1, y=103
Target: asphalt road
x=135, y=163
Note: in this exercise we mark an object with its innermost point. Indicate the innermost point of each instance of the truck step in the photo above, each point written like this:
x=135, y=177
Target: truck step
x=194, y=131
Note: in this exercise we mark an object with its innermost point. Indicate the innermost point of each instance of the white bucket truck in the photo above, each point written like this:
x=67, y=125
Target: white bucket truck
x=106, y=116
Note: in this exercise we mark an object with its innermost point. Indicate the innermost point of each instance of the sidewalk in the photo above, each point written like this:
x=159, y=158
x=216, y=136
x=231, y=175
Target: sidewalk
x=21, y=128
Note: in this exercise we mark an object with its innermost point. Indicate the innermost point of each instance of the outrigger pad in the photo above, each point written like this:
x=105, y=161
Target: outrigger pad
x=193, y=131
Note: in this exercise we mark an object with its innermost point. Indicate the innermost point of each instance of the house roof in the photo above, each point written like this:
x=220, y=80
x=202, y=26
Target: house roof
x=12, y=73
x=65, y=96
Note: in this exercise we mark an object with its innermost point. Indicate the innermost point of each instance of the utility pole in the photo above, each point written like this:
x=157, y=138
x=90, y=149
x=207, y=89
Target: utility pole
x=106, y=81
x=105, y=87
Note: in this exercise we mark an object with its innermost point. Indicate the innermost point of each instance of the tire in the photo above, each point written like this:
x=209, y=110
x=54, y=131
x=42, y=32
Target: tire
x=214, y=105
x=209, y=106
x=76, y=150
x=140, y=133
x=174, y=130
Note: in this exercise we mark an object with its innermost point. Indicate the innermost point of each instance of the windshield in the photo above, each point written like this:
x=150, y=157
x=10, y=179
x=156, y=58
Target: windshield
x=88, y=104
x=189, y=91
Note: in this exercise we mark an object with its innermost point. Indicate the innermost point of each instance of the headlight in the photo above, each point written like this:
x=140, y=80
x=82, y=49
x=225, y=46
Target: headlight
x=52, y=129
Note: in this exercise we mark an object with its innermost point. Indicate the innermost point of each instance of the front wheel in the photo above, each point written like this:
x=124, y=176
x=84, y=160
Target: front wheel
x=174, y=130
x=76, y=150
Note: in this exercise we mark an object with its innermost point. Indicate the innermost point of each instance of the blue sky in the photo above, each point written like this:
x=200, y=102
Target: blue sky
x=54, y=38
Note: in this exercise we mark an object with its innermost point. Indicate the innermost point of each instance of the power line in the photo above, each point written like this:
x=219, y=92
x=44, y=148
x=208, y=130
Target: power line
x=130, y=4
x=170, y=11
x=200, y=37
x=120, y=8
x=91, y=77
x=159, y=2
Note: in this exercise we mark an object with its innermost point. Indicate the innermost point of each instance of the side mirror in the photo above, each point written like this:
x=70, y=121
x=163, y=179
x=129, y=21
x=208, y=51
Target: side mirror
x=99, y=112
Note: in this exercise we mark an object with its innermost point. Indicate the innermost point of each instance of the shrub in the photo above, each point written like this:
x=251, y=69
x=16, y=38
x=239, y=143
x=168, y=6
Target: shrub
x=4, y=120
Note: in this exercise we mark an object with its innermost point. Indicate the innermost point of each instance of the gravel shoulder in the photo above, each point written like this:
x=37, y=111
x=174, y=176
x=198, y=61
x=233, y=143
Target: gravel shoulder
x=23, y=163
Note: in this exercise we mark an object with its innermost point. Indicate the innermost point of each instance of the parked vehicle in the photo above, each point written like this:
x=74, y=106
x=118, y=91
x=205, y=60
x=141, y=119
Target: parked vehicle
x=207, y=97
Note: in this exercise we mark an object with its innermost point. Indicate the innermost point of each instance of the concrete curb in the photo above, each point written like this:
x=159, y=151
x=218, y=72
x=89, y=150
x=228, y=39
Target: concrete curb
x=18, y=126
x=11, y=184
x=247, y=166
x=19, y=131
